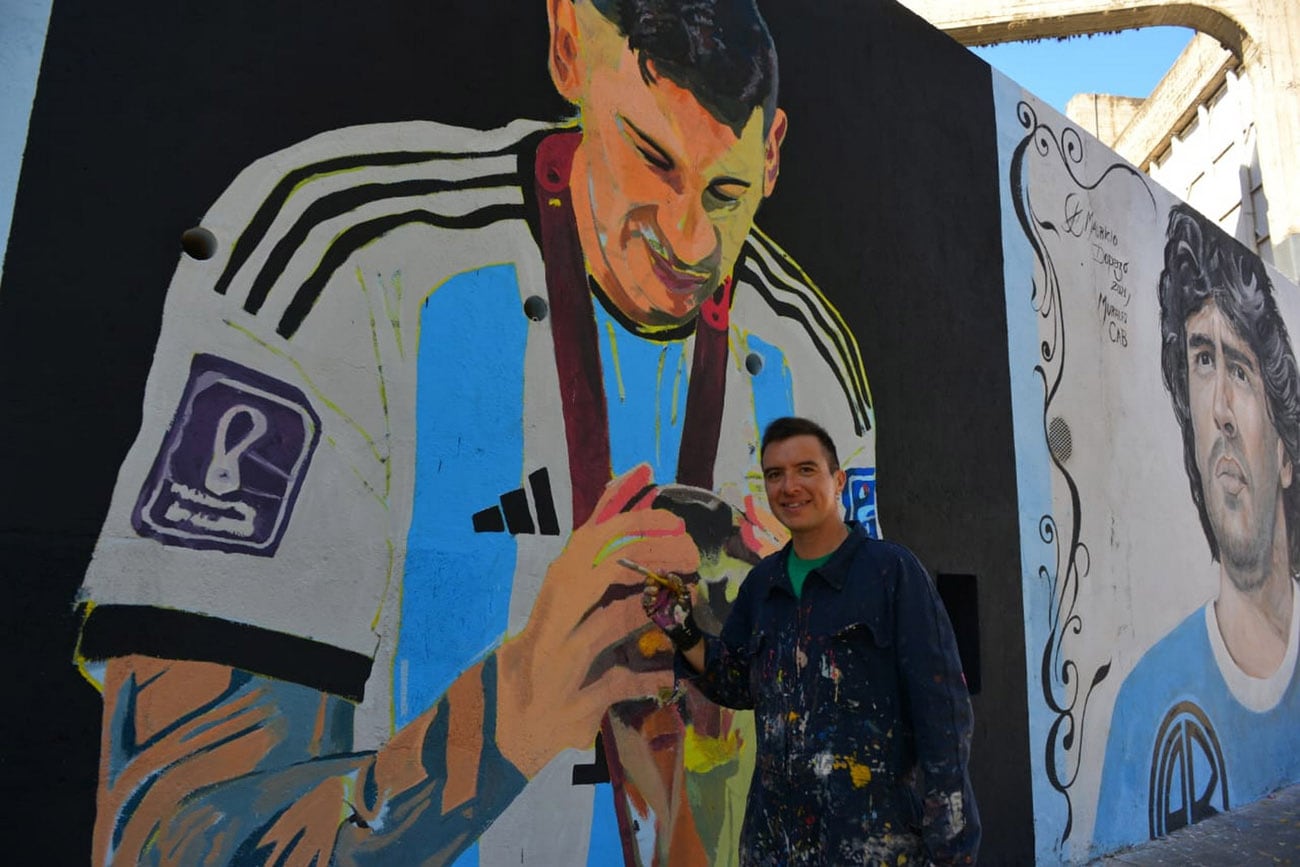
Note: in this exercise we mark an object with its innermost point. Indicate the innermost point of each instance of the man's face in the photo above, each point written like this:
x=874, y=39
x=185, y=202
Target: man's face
x=1243, y=463
x=802, y=491
x=664, y=194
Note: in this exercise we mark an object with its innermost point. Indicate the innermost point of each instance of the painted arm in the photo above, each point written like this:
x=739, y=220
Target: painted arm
x=939, y=704
x=203, y=763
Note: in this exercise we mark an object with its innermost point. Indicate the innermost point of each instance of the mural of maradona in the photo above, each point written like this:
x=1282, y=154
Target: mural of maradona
x=1162, y=634
x=1208, y=718
x=357, y=596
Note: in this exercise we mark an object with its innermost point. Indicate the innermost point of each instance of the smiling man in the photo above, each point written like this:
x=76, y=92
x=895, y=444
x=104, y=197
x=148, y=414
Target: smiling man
x=841, y=647
x=357, y=595
x=1229, y=667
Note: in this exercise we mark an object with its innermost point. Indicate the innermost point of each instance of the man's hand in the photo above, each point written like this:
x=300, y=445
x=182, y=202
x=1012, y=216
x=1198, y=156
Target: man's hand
x=584, y=607
x=670, y=609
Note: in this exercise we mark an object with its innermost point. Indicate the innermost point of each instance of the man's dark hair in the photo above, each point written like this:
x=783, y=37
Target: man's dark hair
x=1203, y=263
x=719, y=50
x=790, y=426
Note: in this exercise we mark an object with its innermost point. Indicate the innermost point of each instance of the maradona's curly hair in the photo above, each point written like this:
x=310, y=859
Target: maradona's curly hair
x=1203, y=263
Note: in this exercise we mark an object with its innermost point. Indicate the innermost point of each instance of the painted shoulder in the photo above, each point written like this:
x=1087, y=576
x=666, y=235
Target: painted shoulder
x=1159, y=679
x=1148, y=695
x=294, y=217
x=769, y=281
x=1183, y=648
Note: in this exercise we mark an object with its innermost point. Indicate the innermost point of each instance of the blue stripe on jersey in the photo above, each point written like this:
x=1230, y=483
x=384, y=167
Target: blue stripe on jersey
x=645, y=390
x=606, y=845
x=469, y=451
x=772, y=386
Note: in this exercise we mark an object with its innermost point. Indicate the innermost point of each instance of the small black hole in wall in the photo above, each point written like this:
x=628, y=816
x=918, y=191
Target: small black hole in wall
x=535, y=308
x=960, y=595
x=1059, y=439
x=754, y=363
x=199, y=243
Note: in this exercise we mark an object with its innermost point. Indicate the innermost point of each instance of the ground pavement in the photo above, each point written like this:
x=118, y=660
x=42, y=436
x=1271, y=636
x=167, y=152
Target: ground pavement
x=1264, y=832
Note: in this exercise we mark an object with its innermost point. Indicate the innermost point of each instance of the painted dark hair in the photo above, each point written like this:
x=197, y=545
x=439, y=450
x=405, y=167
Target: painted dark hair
x=1203, y=263
x=719, y=50
x=789, y=426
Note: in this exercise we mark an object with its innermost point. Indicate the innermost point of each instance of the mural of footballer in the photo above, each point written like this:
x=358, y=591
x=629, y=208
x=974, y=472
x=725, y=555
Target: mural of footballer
x=1210, y=717
x=357, y=598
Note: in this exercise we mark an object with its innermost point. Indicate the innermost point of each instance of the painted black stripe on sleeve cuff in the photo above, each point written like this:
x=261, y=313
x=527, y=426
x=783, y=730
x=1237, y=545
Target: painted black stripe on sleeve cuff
x=121, y=630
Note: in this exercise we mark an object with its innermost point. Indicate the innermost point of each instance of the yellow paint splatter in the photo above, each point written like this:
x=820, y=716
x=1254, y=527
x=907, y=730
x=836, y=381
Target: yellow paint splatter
x=794, y=716
x=653, y=641
x=859, y=773
x=618, y=367
x=703, y=753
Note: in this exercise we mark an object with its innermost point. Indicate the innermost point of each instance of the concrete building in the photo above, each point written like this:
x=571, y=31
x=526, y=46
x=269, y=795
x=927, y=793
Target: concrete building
x=1222, y=128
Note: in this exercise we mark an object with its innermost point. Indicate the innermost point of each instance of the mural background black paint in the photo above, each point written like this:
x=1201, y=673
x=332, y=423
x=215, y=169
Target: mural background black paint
x=143, y=115
x=889, y=196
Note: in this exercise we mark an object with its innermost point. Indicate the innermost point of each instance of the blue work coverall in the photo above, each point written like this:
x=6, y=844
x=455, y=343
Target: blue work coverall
x=859, y=700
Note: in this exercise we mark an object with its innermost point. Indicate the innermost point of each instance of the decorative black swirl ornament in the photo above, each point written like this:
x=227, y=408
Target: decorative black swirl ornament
x=1060, y=676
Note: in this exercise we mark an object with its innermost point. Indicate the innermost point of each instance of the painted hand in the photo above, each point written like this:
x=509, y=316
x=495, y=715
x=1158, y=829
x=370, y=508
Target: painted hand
x=578, y=655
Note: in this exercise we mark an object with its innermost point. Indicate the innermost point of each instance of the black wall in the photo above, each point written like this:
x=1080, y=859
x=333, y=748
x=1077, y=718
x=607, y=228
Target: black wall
x=891, y=202
x=145, y=112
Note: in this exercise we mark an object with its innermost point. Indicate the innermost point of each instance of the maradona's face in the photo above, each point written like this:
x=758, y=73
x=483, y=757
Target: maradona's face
x=664, y=194
x=1242, y=461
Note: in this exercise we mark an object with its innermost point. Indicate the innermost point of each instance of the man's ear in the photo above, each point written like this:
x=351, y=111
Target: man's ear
x=1285, y=464
x=563, y=20
x=772, y=151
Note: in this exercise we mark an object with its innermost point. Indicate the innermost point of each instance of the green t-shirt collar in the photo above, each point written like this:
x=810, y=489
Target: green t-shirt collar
x=798, y=568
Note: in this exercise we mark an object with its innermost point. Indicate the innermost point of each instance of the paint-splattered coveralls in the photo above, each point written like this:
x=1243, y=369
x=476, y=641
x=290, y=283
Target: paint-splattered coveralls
x=857, y=691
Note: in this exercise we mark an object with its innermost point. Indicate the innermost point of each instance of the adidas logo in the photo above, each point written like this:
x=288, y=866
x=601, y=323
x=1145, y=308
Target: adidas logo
x=514, y=516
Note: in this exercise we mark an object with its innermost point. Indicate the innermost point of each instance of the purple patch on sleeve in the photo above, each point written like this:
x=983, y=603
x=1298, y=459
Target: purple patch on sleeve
x=860, y=498
x=231, y=463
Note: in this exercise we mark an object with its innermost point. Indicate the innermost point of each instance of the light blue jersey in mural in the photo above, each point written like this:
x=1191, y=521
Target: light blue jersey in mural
x=646, y=381
x=1192, y=735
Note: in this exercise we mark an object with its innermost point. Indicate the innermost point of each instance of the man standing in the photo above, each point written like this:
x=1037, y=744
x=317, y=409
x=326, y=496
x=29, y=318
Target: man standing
x=1208, y=717
x=431, y=381
x=841, y=646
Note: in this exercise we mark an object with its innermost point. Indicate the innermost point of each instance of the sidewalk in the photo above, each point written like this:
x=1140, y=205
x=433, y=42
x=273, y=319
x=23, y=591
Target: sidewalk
x=1264, y=832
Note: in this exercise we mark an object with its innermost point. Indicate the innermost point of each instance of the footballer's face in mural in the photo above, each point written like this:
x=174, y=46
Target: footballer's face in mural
x=664, y=193
x=1242, y=461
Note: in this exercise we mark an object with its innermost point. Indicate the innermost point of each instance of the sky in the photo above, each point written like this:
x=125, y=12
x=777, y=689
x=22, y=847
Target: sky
x=1128, y=63
x=22, y=37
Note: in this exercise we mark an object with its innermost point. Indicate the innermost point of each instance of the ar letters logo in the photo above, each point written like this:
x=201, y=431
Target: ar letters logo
x=232, y=461
x=1189, y=780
